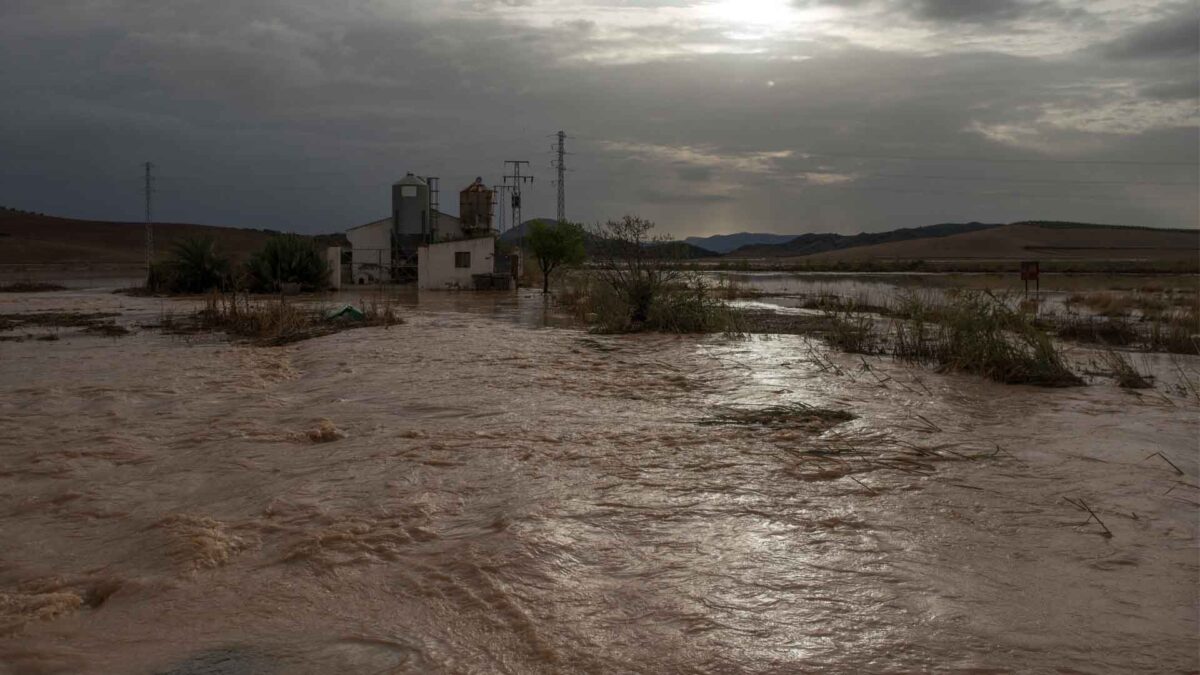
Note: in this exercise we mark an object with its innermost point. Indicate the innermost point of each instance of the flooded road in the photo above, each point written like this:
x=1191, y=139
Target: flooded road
x=476, y=492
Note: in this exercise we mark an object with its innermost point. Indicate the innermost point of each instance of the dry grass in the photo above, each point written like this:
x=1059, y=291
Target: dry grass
x=275, y=321
x=979, y=333
x=1116, y=304
x=1123, y=371
x=1109, y=331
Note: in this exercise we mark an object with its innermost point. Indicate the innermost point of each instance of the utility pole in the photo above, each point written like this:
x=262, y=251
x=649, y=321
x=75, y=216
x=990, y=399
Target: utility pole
x=435, y=204
x=561, y=165
x=517, y=180
x=149, y=226
x=502, y=190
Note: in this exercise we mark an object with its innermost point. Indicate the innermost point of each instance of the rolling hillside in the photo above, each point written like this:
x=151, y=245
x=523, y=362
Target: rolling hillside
x=810, y=244
x=34, y=238
x=726, y=243
x=1033, y=240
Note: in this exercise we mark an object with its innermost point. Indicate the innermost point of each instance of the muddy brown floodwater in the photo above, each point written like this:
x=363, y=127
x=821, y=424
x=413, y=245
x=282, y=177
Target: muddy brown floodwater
x=475, y=492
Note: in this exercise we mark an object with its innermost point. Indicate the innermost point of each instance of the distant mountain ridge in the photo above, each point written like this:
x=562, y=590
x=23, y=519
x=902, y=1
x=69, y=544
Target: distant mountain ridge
x=674, y=249
x=724, y=243
x=812, y=243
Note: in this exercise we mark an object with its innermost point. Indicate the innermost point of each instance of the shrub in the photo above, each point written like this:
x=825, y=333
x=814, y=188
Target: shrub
x=196, y=266
x=979, y=333
x=288, y=259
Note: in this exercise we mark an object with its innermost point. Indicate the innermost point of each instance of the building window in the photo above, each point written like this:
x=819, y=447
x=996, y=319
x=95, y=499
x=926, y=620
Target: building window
x=462, y=259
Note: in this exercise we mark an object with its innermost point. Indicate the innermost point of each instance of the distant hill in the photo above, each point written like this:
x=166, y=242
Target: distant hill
x=724, y=243
x=675, y=249
x=810, y=244
x=1034, y=240
x=514, y=234
x=27, y=237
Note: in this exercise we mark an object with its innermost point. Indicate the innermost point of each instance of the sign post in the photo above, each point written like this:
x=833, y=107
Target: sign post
x=1030, y=272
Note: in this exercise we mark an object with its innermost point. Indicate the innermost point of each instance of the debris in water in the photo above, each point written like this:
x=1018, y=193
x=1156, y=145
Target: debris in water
x=1082, y=505
x=326, y=433
x=346, y=312
x=790, y=415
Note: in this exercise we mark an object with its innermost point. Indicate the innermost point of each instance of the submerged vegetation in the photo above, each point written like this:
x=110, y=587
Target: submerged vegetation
x=979, y=333
x=275, y=321
x=633, y=286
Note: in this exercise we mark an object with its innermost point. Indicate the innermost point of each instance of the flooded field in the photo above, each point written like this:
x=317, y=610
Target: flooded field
x=486, y=488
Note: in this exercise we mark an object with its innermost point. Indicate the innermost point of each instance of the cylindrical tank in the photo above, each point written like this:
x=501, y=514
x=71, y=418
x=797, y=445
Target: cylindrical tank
x=410, y=209
x=475, y=207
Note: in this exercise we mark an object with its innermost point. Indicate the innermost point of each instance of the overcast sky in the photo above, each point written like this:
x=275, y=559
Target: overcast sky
x=762, y=115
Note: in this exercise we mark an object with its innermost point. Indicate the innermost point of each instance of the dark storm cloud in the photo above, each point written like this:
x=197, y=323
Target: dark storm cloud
x=676, y=198
x=951, y=11
x=1180, y=90
x=278, y=114
x=1173, y=37
x=971, y=11
x=695, y=174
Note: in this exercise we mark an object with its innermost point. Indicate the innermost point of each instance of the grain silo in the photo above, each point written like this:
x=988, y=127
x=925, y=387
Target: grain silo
x=411, y=224
x=475, y=207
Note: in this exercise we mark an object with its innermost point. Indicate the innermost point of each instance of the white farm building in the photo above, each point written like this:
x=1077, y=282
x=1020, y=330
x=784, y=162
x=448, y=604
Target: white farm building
x=437, y=250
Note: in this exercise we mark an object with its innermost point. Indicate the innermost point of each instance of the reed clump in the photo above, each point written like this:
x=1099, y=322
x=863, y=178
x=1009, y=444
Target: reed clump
x=1123, y=371
x=979, y=333
x=851, y=330
x=1176, y=333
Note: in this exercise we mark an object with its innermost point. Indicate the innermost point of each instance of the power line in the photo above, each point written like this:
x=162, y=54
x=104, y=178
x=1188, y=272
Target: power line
x=561, y=165
x=517, y=180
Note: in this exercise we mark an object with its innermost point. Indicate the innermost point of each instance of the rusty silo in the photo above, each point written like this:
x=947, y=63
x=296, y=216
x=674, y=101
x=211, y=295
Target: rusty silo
x=475, y=205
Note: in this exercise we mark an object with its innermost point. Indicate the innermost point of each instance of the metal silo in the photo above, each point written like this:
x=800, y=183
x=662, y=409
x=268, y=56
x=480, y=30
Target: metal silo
x=411, y=224
x=475, y=206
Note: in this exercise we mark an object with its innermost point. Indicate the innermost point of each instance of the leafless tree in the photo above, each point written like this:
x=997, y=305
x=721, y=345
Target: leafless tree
x=634, y=262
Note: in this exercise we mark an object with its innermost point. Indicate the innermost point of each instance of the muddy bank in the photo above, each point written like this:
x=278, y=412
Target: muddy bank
x=476, y=491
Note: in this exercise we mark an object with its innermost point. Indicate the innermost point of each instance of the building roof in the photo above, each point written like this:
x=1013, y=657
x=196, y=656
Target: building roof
x=410, y=179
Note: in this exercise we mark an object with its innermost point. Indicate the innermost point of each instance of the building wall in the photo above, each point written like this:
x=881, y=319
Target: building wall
x=371, y=245
x=435, y=263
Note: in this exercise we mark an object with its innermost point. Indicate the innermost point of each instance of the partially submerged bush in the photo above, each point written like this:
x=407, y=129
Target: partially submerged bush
x=635, y=285
x=274, y=321
x=979, y=333
x=288, y=259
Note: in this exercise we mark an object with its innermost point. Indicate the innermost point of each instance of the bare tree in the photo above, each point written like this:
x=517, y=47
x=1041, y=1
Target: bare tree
x=633, y=262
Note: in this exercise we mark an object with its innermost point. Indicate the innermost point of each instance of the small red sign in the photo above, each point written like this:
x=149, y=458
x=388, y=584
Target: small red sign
x=1029, y=270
